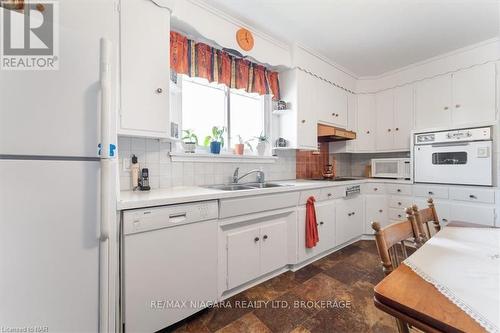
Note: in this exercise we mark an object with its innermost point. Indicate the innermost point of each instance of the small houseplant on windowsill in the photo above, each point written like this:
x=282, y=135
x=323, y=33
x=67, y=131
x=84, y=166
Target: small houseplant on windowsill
x=216, y=140
x=263, y=140
x=189, y=141
x=239, y=148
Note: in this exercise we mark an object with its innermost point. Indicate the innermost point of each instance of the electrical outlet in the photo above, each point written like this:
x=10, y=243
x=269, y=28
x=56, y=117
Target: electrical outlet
x=126, y=164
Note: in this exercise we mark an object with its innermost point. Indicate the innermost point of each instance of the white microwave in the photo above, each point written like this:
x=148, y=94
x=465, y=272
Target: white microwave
x=396, y=168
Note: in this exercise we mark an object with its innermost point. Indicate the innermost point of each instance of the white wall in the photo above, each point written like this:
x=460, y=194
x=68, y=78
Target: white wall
x=164, y=173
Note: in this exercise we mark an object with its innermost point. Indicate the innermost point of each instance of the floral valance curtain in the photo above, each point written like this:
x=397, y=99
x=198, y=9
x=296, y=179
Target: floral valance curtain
x=201, y=60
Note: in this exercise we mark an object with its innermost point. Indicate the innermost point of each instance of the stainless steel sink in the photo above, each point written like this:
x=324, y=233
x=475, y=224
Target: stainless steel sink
x=231, y=187
x=246, y=186
x=265, y=185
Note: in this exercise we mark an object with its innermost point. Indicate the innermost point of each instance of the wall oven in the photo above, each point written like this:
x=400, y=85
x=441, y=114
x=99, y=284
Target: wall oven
x=454, y=157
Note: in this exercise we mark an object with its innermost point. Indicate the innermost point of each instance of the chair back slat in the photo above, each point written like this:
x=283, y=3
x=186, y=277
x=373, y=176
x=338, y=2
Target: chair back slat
x=424, y=217
x=388, y=240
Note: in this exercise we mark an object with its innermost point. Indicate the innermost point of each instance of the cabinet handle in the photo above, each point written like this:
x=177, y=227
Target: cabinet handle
x=375, y=189
x=159, y=90
x=353, y=213
x=265, y=237
x=472, y=196
x=457, y=106
x=431, y=193
x=303, y=121
x=367, y=132
x=380, y=210
x=349, y=214
x=329, y=194
x=444, y=220
x=321, y=223
x=388, y=130
x=399, y=190
x=399, y=215
x=397, y=128
x=399, y=203
x=337, y=115
x=446, y=108
x=256, y=239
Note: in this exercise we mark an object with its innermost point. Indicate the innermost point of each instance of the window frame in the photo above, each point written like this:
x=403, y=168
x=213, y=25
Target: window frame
x=266, y=107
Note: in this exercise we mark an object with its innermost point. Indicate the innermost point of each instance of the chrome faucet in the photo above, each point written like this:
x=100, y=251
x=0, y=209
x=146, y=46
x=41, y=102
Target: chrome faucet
x=260, y=175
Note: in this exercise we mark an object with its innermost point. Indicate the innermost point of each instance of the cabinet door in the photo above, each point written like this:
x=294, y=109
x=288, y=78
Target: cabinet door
x=433, y=102
x=375, y=211
x=325, y=216
x=385, y=120
x=365, y=140
x=307, y=132
x=145, y=68
x=243, y=256
x=403, y=117
x=273, y=246
x=348, y=219
x=471, y=213
x=303, y=252
x=474, y=95
x=338, y=100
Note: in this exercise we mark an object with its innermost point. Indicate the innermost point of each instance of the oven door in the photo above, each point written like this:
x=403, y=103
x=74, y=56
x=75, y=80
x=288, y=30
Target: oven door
x=467, y=163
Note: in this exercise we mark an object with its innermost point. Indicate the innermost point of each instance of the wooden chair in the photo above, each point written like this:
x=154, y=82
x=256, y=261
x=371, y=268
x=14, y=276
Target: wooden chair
x=425, y=216
x=387, y=240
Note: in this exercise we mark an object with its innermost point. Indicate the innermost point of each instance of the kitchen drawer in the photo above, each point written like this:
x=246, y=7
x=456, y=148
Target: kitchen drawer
x=397, y=214
x=470, y=213
x=473, y=195
x=304, y=195
x=440, y=192
x=332, y=193
x=400, y=189
x=373, y=188
x=400, y=202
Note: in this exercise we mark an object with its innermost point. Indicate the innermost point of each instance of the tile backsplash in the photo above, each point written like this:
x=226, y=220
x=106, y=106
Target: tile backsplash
x=164, y=173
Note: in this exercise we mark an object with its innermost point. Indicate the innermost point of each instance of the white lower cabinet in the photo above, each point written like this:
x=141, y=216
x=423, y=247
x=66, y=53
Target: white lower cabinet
x=484, y=215
x=325, y=217
x=375, y=211
x=256, y=249
x=349, y=219
x=243, y=256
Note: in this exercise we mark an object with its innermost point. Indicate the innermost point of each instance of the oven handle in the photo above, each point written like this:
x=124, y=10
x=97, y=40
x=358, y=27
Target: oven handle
x=452, y=144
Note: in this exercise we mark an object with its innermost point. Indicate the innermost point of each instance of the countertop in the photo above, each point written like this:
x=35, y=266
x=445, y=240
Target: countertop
x=182, y=194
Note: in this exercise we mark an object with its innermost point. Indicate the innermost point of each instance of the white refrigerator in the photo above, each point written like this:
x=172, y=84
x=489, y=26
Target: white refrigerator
x=57, y=192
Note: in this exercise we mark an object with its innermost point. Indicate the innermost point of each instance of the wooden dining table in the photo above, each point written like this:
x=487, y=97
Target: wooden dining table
x=407, y=296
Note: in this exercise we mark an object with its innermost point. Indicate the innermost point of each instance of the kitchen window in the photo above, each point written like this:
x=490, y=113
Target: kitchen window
x=205, y=105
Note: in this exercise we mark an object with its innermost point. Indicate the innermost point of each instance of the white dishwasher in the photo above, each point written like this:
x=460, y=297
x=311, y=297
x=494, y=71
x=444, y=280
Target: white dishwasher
x=169, y=264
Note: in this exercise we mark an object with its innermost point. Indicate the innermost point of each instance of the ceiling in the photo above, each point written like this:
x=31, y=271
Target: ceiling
x=372, y=37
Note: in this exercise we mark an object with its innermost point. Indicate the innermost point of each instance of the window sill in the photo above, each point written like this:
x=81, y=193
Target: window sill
x=221, y=158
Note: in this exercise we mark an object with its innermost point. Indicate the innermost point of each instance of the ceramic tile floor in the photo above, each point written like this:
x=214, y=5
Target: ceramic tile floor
x=345, y=277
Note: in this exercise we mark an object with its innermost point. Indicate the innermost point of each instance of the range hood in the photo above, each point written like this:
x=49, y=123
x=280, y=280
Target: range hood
x=327, y=133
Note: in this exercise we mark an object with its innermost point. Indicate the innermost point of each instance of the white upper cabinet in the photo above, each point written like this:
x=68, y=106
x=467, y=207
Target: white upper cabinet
x=299, y=125
x=366, y=118
x=145, y=69
x=384, y=102
x=403, y=117
x=331, y=103
x=433, y=102
x=474, y=95
x=459, y=99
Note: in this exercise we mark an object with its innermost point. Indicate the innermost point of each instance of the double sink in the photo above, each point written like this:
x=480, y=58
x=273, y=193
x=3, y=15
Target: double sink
x=245, y=186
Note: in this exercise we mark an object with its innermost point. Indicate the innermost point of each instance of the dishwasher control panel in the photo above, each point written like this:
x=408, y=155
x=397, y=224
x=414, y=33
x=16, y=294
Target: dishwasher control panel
x=148, y=219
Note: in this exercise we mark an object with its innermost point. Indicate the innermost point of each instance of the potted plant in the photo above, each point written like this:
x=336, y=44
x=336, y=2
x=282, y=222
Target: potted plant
x=239, y=148
x=262, y=140
x=189, y=141
x=216, y=140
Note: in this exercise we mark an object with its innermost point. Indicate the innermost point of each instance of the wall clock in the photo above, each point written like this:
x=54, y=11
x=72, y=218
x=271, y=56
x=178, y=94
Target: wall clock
x=244, y=39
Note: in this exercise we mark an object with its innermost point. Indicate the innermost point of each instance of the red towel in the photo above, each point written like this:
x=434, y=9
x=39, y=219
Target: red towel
x=312, y=237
